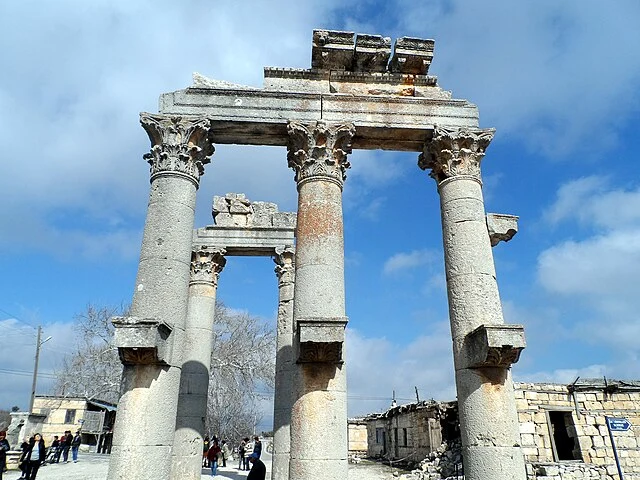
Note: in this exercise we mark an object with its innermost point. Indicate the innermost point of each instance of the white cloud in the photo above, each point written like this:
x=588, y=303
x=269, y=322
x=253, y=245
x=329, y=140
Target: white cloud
x=563, y=375
x=407, y=261
x=377, y=367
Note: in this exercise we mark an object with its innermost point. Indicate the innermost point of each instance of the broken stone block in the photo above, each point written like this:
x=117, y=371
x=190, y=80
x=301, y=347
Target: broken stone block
x=495, y=345
x=332, y=50
x=372, y=53
x=223, y=220
x=142, y=341
x=501, y=227
x=284, y=219
x=412, y=56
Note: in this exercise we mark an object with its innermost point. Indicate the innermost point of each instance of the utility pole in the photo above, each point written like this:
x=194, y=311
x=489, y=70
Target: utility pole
x=35, y=369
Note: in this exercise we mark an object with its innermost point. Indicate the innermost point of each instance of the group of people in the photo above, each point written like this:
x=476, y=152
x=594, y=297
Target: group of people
x=215, y=453
x=35, y=453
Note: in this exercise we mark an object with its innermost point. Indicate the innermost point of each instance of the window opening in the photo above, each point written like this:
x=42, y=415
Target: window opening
x=564, y=436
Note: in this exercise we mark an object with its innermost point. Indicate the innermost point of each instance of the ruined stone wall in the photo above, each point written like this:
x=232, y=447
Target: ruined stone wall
x=577, y=413
x=357, y=437
x=410, y=432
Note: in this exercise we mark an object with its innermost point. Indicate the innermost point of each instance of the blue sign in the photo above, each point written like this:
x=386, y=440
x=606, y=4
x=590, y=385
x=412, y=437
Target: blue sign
x=618, y=424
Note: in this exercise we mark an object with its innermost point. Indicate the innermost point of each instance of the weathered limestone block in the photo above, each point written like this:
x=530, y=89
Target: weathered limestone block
x=502, y=228
x=332, y=50
x=412, y=55
x=495, y=346
x=321, y=339
x=142, y=341
x=372, y=53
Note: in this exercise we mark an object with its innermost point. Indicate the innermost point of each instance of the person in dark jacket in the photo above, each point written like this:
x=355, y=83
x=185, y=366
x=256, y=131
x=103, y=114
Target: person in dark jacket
x=22, y=462
x=4, y=448
x=35, y=456
x=212, y=455
x=258, y=469
x=257, y=446
x=75, y=445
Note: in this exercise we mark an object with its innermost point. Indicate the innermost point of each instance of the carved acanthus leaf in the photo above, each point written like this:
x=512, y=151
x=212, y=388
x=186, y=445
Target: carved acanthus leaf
x=285, y=265
x=206, y=264
x=179, y=145
x=319, y=151
x=455, y=151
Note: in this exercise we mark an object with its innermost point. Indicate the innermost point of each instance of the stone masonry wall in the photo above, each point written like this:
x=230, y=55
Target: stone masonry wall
x=577, y=414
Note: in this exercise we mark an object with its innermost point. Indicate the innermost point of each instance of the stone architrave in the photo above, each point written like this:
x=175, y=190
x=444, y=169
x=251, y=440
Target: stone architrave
x=317, y=152
x=206, y=265
x=285, y=363
x=150, y=342
x=484, y=347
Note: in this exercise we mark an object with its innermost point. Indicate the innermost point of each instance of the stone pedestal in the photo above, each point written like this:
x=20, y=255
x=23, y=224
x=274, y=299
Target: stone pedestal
x=318, y=154
x=146, y=420
x=484, y=347
x=285, y=365
x=206, y=265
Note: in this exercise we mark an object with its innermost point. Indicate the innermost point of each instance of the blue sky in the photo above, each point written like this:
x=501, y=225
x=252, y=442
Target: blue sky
x=559, y=80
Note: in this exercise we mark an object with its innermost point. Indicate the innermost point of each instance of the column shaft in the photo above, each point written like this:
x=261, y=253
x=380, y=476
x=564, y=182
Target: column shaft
x=486, y=402
x=319, y=415
x=206, y=265
x=146, y=420
x=284, y=379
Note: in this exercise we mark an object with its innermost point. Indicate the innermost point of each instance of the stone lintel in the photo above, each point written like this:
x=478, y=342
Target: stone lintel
x=245, y=242
x=260, y=117
x=494, y=346
x=321, y=339
x=142, y=341
x=501, y=227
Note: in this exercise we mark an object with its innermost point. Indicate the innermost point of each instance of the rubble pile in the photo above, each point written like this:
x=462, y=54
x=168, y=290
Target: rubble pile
x=443, y=463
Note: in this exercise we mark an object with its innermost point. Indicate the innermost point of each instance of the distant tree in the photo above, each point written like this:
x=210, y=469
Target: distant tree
x=5, y=419
x=242, y=364
x=92, y=369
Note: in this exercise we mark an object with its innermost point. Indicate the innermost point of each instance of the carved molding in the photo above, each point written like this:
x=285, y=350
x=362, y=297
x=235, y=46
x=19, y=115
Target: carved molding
x=285, y=265
x=455, y=152
x=319, y=151
x=180, y=146
x=320, y=352
x=206, y=265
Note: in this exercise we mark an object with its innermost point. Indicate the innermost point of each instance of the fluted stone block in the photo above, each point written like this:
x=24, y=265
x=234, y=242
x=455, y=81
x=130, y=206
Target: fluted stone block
x=142, y=340
x=494, y=346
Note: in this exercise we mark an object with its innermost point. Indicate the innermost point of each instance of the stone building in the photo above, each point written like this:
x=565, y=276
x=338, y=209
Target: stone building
x=92, y=417
x=563, y=431
x=357, y=436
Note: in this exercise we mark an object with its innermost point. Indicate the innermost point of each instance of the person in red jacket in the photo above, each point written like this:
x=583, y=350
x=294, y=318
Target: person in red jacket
x=212, y=456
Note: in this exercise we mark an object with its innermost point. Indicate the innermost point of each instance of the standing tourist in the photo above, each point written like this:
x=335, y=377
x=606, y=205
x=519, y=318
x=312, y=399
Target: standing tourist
x=257, y=446
x=258, y=469
x=225, y=452
x=22, y=461
x=55, y=450
x=212, y=455
x=205, y=449
x=66, y=445
x=75, y=446
x=4, y=448
x=35, y=456
x=242, y=448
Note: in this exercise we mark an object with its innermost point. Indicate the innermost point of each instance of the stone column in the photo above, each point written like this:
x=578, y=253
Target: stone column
x=484, y=348
x=206, y=265
x=285, y=363
x=318, y=155
x=150, y=340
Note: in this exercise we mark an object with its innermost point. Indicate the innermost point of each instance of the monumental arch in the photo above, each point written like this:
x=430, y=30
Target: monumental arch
x=359, y=93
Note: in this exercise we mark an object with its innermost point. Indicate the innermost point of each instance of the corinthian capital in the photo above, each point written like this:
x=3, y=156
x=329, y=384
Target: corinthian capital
x=179, y=145
x=455, y=152
x=285, y=265
x=206, y=265
x=319, y=151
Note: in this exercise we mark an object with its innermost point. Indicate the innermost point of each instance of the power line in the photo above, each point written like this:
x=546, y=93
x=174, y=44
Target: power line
x=26, y=374
x=15, y=317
